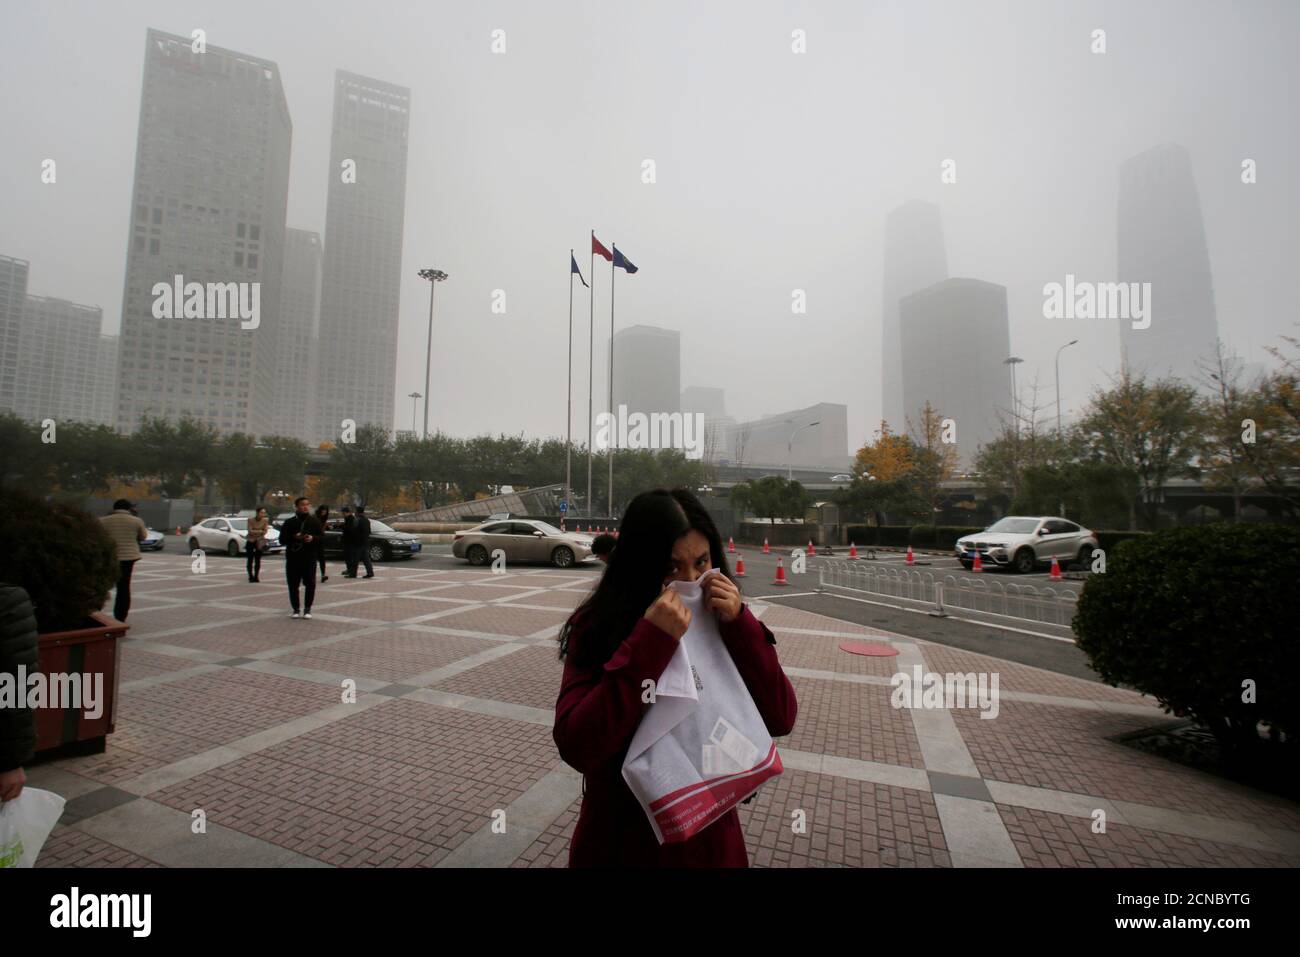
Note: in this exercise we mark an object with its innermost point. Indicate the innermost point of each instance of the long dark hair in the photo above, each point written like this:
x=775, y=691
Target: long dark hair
x=634, y=577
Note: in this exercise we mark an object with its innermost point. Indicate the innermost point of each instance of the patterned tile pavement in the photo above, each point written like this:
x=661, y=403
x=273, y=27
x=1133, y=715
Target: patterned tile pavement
x=409, y=724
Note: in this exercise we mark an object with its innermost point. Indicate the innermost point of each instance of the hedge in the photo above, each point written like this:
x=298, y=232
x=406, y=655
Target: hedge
x=1190, y=616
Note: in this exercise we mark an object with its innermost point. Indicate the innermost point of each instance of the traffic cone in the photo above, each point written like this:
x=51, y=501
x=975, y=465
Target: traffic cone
x=731, y=545
x=853, y=552
x=977, y=565
x=780, y=574
x=740, y=566
x=178, y=530
x=812, y=549
x=766, y=549
x=910, y=559
x=1056, y=569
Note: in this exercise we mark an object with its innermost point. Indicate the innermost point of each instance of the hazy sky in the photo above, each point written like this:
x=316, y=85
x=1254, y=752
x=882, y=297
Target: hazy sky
x=774, y=170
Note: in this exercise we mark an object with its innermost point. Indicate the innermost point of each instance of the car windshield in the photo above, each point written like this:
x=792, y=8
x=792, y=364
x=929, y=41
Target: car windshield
x=1016, y=526
x=238, y=524
x=379, y=526
x=548, y=529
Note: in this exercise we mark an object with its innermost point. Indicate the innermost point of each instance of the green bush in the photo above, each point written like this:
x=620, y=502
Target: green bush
x=61, y=555
x=1108, y=541
x=1189, y=614
x=945, y=536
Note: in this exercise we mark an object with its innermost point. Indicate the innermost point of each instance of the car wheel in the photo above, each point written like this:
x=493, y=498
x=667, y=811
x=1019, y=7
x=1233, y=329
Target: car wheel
x=232, y=549
x=476, y=555
x=377, y=553
x=562, y=557
x=1024, y=561
x=194, y=544
x=1085, y=558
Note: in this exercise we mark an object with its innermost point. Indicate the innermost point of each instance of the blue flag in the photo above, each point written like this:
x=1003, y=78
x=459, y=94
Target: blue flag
x=573, y=269
x=623, y=261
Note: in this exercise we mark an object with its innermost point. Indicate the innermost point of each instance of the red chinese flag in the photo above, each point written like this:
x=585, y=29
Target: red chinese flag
x=600, y=250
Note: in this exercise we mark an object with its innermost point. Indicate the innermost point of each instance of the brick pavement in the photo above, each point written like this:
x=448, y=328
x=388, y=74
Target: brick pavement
x=230, y=708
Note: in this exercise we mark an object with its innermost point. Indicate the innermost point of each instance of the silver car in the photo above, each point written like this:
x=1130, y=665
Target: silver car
x=1022, y=543
x=522, y=540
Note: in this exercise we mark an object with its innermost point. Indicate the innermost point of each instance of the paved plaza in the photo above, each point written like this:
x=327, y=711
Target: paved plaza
x=230, y=708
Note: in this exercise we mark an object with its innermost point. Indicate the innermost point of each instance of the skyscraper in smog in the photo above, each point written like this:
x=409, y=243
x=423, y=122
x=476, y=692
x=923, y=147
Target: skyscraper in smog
x=914, y=259
x=208, y=205
x=1162, y=241
x=299, y=336
x=363, y=253
x=955, y=338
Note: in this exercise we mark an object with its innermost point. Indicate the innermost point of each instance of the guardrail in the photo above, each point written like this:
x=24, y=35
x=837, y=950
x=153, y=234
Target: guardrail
x=1045, y=605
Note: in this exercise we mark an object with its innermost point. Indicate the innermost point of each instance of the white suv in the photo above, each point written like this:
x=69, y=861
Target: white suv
x=1024, y=543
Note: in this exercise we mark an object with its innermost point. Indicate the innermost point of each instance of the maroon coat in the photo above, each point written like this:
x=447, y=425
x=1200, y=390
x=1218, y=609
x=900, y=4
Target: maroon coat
x=596, y=715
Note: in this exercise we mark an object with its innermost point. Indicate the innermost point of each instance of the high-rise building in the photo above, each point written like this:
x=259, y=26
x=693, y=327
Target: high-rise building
x=104, y=384
x=790, y=438
x=647, y=369
x=1162, y=241
x=208, y=205
x=363, y=253
x=955, y=338
x=718, y=426
x=13, y=301
x=299, y=335
x=59, y=368
x=914, y=259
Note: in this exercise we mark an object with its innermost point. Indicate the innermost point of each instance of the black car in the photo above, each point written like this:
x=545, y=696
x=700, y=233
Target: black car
x=386, y=543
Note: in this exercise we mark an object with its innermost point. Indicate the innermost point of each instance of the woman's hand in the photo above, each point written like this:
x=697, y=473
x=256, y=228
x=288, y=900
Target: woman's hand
x=669, y=613
x=723, y=597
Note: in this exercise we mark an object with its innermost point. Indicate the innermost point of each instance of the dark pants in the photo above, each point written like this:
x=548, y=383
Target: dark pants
x=254, y=560
x=320, y=557
x=356, y=555
x=122, y=604
x=301, y=571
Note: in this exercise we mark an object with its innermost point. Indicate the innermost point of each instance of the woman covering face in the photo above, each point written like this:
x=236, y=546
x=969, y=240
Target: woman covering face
x=623, y=637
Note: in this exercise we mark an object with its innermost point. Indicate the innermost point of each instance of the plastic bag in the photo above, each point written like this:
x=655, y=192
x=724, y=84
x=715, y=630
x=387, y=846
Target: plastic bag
x=25, y=823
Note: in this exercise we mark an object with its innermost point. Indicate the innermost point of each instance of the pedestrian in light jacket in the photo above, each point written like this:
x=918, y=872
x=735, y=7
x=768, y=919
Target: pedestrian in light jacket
x=127, y=532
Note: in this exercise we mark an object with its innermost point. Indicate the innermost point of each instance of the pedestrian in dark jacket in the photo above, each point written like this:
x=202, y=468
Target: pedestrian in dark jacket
x=300, y=533
x=363, y=542
x=322, y=516
x=18, y=647
x=350, y=557
x=625, y=634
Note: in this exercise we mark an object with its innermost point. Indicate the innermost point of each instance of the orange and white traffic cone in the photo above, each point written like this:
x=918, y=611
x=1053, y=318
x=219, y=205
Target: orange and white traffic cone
x=731, y=545
x=766, y=549
x=910, y=557
x=780, y=574
x=853, y=552
x=812, y=549
x=740, y=566
x=977, y=565
x=1056, y=570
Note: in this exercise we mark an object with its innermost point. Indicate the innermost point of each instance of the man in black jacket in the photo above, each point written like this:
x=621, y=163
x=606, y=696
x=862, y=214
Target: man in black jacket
x=363, y=543
x=18, y=647
x=350, y=558
x=300, y=534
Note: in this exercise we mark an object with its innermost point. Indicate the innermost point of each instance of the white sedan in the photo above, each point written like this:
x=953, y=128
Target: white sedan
x=227, y=534
x=1022, y=543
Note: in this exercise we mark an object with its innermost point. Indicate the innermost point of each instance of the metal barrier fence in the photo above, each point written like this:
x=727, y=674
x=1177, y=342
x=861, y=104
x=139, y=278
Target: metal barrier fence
x=1045, y=605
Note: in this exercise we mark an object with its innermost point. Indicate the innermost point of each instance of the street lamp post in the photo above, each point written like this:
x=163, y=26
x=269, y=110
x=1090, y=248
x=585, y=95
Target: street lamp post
x=1058, y=383
x=414, y=396
x=789, y=447
x=434, y=276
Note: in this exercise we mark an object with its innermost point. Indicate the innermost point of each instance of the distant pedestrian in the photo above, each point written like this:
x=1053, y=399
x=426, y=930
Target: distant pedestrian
x=363, y=542
x=127, y=532
x=350, y=557
x=322, y=516
x=299, y=534
x=255, y=542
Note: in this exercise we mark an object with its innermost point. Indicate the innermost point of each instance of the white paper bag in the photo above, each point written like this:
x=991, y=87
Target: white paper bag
x=25, y=823
x=702, y=746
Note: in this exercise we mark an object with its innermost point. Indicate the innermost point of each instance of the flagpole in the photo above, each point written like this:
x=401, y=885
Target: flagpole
x=591, y=349
x=568, y=418
x=610, y=504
